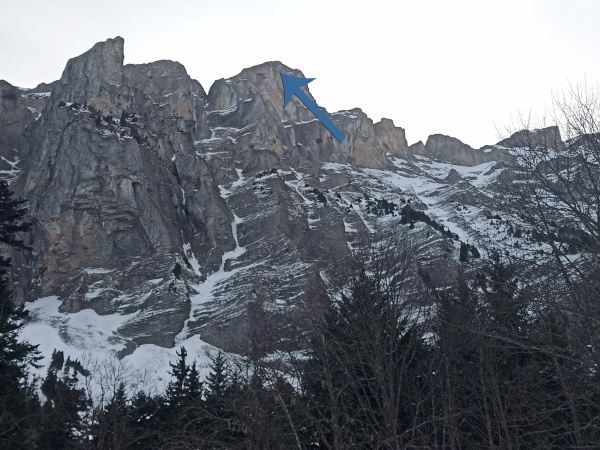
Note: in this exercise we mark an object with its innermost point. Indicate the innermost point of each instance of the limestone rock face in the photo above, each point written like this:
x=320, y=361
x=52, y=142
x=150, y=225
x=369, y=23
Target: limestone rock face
x=92, y=75
x=450, y=149
x=255, y=96
x=14, y=115
x=418, y=148
x=546, y=137
x=151, y=198
x=112, y=205
x=18, y=108
x=453, y=176
x=390, y=138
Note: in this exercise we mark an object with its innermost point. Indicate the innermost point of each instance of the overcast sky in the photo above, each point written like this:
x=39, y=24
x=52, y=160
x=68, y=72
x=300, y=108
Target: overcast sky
x=462, y=68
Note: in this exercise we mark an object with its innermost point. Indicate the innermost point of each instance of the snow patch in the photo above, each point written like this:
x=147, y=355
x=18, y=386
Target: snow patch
x=204, y=291
x=348, y=114
x=36, y=95
x=187, y=251
x=97, y=270
x=224, y=112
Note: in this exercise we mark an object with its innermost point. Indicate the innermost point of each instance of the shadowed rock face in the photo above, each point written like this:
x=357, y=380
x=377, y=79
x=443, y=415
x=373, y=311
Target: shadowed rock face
x=90, y=76
x=391, y=138
x=13, y=116
x=546, y=137
x=18, y=108
x=148, y=195
x=450, y=149
x=107, y=195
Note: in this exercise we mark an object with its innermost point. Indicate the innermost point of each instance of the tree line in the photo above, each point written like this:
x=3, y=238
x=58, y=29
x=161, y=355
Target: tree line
x=465, y=367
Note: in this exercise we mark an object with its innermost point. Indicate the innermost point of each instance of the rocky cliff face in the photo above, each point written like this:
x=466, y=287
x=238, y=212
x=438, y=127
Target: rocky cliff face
x=548, y=137
x=18, y=108
x=107, y=194
x=156, y=201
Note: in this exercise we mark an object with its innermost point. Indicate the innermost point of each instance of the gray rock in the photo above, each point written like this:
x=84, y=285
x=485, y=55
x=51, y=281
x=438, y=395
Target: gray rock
x=119, y=194
x=92, y=76
x=453, y=176
x=454, y=151
x=546, y=137
x=14, y=116
x=144, y=190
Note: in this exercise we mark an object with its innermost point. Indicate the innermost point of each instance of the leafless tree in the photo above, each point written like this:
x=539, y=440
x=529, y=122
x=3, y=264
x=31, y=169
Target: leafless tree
x=365, y=351
x=108, y=375
x=553, y=186
x=554, y=182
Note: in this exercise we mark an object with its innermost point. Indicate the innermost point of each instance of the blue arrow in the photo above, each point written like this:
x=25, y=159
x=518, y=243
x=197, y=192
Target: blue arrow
x=291, y=86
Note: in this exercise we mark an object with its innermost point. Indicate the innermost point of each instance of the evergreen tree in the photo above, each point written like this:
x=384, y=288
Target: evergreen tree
x=357, y=376
x=193, y=385
x=176, y=388
x=16, y=356
x=149, y=421
x=66, y=400
x=183, y=416
x=224, y=397
x=217, y=379
x=458, y=344
x=488, y=386
x=113, y=426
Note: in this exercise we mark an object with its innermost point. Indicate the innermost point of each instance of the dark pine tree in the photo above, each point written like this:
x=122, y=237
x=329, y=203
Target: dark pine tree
x=16, y=356
x=217, y=379
x=113, y=427
x=193, y=385
x=354, y=379
x=183, y=414
x=176, y=388
x=61, y=425
x=458, y=344
x=149, y=421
